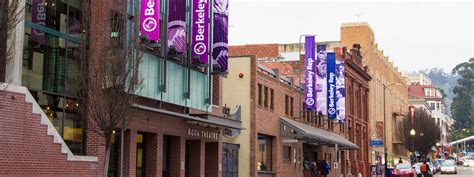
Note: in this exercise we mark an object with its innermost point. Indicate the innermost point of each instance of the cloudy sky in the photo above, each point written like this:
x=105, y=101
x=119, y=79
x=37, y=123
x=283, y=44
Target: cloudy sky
x=415, y=35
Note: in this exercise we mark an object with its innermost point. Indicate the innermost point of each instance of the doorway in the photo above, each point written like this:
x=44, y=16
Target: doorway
x=230, y=160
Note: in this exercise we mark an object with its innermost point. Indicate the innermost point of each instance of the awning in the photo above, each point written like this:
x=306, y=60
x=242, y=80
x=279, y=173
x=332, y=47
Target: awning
x=208, y=119
x=315, y=135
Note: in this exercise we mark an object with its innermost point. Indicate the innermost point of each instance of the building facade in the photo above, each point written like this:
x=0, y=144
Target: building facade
x=178, y=116
x=278, y=137
x=387, y=82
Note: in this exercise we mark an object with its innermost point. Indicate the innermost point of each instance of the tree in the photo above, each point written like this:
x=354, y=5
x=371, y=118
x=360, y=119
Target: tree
x=10, y=16
x=110, y=76
x=462, y=106
x=427, y=132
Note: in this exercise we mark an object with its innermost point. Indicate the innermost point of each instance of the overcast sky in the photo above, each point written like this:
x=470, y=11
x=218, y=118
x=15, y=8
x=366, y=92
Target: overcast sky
x=415, y=35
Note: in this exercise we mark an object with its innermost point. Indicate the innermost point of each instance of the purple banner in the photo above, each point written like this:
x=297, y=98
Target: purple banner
x=321, y=81
x=177, y=25
x=200, y=30
x=150, y=19
x=38, y=16
x=310, y=66
x=340, y=92
x=220, y=35
x=331, y=80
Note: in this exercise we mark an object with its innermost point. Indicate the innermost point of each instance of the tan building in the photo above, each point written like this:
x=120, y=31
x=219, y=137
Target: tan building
x=386, y=77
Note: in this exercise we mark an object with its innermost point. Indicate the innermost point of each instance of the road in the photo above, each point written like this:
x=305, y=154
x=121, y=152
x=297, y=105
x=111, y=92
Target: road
x=462, y=172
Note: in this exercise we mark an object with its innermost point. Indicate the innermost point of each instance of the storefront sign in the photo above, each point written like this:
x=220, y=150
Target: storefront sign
x=200, y=30
x=150, y=19
x=177, y=25
x=321, y=82
x=220, y=35
x=331, y=85
x=203, y=134
x=340, y=92
x=38, y=16
x=310, y=66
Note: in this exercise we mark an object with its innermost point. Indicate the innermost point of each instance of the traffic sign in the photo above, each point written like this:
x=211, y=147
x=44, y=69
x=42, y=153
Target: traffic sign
x=376, y=143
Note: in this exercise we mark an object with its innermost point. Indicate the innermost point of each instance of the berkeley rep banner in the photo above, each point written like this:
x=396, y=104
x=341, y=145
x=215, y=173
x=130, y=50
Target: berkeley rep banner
x=150, y=19
x=321, y=83
x=331, y=86
x=220, y=34
x=177, y=25
x=340, y=92
x=38, y=16
x=200, y=30
x=310, y=65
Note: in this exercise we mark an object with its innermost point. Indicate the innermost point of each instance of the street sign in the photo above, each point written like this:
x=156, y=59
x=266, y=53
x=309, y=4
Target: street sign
x=376, y=143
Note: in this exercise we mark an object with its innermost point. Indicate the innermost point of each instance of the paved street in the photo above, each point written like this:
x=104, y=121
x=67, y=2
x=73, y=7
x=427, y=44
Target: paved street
x=462, y=172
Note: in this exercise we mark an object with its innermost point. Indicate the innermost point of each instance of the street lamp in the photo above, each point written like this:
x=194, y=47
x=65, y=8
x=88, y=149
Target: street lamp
x=412, y=133
x=384, y=124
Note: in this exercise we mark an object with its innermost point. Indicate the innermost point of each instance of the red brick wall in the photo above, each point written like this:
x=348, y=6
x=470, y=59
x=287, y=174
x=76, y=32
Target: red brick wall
x=259, y=50
x=26, y=149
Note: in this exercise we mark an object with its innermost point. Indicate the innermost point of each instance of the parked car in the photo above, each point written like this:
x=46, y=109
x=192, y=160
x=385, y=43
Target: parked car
x=403, y=170
x=449, y=166
x=469, y=162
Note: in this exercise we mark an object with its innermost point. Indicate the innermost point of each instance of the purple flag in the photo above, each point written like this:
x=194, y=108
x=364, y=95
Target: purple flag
x=200, y=30
x=340, y=92
x=38, y=16
x=310, y=66
x=331, y=80
x=321, y=81
x=150, y=19
x=220, y=35
x=177, y=25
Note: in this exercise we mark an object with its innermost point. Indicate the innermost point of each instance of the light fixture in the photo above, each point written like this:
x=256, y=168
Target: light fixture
x=113, y=131
x=437, y=144
x=412, y=132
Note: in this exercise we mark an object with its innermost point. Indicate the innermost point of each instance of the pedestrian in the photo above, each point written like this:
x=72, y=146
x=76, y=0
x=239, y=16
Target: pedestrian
x=425, y=169
x=400, y=160
x=325, y=168
x=307, y=167
x=315, y=169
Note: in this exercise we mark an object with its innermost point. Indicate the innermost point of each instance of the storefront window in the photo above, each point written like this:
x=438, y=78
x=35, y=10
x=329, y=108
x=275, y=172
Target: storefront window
x=50, y=64
x=264, y=155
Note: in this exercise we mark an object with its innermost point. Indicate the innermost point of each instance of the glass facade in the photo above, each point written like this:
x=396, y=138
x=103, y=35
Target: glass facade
x=50, y=64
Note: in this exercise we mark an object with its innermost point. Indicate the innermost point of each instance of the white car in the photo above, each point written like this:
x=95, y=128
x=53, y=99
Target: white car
x=469, y=163
x=449, y=166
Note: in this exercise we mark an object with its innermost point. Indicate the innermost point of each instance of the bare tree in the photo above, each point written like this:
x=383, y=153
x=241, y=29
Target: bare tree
x=427, y=133
x=10, y=15
x=110, y=76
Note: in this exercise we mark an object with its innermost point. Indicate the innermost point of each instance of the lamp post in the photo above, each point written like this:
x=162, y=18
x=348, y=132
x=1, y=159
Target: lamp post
x=412, y=133
x=384, y=124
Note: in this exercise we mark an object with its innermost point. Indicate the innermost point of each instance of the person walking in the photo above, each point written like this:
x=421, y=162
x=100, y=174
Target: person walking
x=425, y=169
x=325, y=168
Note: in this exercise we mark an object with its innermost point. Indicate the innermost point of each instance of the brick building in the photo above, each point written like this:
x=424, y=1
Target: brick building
x=387, y=80
x=178, y=118
x=277, y=135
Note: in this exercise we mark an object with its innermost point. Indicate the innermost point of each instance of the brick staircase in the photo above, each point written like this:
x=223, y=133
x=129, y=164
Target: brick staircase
x=30, y=145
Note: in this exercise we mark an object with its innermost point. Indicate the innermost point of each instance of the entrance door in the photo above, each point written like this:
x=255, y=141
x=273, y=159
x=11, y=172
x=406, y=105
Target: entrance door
x=230, y=160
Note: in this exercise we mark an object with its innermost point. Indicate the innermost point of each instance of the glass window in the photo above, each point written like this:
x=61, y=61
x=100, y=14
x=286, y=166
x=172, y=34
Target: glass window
x=291, y=106
x=265, y=100
x=260, y=94
x=51, y=68
x=271, y=99
x=264, y=155
x=286, y=104
x=286, y=153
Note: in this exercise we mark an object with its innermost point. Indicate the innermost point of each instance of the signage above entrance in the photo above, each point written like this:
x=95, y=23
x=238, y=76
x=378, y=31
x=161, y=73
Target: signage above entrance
x=203, y=133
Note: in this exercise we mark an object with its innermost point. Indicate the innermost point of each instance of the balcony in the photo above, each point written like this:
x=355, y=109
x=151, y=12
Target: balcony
x=167, y=81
